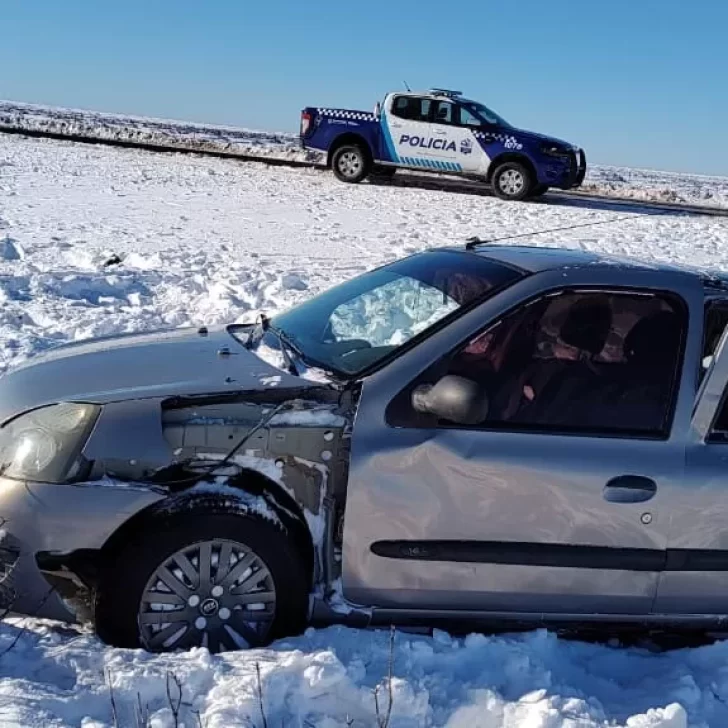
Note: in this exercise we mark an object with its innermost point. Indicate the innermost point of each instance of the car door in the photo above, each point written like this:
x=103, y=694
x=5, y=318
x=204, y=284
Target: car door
x=508, y=518
x=407, y=130
x=695, y=580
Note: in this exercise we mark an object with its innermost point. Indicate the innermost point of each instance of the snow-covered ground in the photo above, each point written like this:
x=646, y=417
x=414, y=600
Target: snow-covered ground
x=99, y=240
x=637, y=184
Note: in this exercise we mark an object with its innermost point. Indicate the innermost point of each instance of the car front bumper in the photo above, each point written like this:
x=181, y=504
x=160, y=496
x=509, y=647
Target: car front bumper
x=565, y=172
x=47, y=524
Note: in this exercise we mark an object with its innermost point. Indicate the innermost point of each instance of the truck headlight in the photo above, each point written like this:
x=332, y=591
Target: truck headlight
x=45, y=444
x=554, y=150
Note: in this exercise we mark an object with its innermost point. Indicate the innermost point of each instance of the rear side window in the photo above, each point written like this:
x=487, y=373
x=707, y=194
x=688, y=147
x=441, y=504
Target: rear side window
x=412, y=108
x=720, y=428
x=716, y=320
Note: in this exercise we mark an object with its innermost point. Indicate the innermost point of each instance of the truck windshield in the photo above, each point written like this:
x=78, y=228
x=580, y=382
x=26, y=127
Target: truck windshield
x=485, y=113
x=351, y=327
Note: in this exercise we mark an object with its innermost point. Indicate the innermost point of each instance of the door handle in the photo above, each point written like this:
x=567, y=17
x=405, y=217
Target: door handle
x=629, y=489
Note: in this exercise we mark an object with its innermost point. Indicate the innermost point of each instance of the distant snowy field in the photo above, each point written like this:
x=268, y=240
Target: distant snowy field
x=204, y=240
x=610, y=181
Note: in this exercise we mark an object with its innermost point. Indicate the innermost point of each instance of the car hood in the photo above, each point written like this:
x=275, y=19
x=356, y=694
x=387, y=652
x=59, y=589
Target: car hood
x=158, y=364
x=536, y=137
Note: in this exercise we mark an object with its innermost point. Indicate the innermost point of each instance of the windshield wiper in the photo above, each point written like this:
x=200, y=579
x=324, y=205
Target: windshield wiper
x=288, y=349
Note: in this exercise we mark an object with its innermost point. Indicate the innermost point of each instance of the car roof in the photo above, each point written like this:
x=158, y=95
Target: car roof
x=539, y=258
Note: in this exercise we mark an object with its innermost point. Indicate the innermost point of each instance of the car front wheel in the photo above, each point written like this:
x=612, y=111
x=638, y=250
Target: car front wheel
x=512, y=181
x=223, y=581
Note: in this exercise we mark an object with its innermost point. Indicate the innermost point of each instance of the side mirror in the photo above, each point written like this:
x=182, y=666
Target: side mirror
x=453, y=398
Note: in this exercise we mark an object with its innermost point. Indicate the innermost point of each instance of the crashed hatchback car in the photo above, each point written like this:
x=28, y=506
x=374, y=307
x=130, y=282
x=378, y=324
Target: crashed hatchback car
x=480, y=434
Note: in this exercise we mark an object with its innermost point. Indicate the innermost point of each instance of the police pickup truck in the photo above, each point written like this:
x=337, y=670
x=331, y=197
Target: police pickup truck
x=440, y=131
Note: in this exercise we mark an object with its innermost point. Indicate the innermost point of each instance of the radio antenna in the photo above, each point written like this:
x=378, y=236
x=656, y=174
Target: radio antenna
x=406, y=85
x=474, y=242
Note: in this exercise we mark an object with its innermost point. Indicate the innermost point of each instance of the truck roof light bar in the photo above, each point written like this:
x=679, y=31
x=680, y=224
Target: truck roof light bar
x=445, y=92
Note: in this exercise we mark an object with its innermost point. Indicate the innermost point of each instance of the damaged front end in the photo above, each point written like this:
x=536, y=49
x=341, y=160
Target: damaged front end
x=282, y=453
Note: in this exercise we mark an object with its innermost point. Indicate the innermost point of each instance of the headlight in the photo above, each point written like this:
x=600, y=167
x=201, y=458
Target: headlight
x=554, y=150
x=45, y=444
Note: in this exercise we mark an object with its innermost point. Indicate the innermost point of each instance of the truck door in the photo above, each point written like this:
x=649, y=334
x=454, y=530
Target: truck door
x=406, y=129
x=457, y=125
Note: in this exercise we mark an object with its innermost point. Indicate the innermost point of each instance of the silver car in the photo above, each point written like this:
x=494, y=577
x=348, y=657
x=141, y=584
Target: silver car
x=473, y=435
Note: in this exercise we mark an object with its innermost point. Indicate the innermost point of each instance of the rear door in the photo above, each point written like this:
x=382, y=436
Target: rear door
x=407, y=130
x=535, y=517
x=695, y=580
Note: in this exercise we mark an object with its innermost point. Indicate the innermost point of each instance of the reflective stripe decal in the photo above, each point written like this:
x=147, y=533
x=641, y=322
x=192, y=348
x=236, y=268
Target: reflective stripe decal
x=431, y=164
x=388, y=143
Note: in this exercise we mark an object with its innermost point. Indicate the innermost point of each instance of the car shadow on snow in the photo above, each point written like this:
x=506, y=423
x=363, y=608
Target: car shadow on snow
x=436, y=183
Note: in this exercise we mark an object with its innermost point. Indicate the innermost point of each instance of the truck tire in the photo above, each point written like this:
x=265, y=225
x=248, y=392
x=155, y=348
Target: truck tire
x=512, y=181
x=350, y=163
x=168, y=588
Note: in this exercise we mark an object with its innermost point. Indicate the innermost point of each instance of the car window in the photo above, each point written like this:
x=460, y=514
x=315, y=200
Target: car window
x=412, y=108
x=719, y=432
x=593, y=362
x=716, y=319
x=390, y=314
x=444, y=112
x=469, y=119
x=363, y=321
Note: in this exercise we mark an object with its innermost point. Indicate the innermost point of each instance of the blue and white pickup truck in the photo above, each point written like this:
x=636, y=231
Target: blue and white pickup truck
x=440, y=131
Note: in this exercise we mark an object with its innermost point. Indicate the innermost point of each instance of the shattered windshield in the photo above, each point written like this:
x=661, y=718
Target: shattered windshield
x=354, y=325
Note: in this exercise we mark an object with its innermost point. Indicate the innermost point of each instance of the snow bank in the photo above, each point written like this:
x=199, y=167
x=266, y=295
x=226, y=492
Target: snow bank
x=644, y=185
x=63, y=677
x=82, y=123
x=641, y=185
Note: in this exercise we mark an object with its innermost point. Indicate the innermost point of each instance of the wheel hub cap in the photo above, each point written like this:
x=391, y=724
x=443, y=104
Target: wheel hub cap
x=511, y=182
x=349, y=164
x=209, y=607
x=217, y=594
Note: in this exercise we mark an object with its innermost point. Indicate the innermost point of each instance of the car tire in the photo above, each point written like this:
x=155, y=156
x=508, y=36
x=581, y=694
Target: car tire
x=512, y=181
x=350, y=163
x=539, y=191
x=208, y=611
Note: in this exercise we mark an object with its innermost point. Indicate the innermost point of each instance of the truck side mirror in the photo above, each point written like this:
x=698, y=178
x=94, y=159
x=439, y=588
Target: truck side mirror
x=452, y=398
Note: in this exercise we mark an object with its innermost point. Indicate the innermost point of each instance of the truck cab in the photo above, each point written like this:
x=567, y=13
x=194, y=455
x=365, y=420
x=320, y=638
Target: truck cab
x=443, y=132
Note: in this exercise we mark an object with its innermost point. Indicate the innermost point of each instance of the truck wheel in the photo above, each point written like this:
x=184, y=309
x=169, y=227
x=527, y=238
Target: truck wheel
x=350, y=163
x=219, y=580
x=512, y=181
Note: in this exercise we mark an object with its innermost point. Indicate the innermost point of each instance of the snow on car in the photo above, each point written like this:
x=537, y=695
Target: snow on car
x=441, y=131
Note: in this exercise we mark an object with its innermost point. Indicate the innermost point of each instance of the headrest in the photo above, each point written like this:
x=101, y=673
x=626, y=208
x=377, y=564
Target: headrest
x=587, y=325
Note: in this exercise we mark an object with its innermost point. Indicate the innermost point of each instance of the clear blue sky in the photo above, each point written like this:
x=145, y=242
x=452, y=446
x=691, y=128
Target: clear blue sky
x=636, y=82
